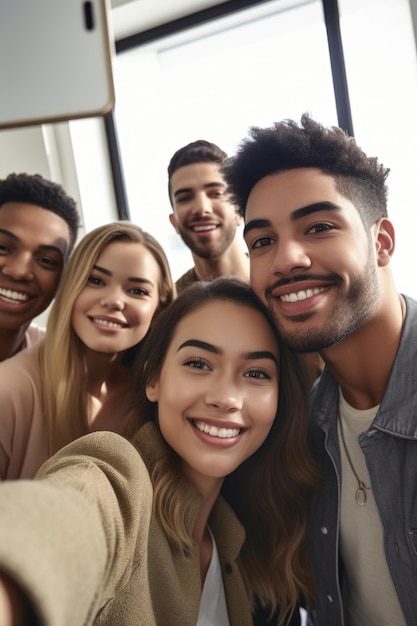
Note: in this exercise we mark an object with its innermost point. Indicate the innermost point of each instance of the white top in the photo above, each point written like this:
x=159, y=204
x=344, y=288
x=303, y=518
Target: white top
x=213, y=608
x=33, y=334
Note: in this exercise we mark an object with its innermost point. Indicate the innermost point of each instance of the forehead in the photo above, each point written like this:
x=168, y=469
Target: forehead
x=279, y=195
x=130, y=258
x=196, y=175
x=231, y=326
x=35, y=226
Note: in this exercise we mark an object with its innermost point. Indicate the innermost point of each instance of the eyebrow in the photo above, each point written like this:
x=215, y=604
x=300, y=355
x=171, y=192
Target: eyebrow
x=44, y=246
x=207, y=186
x=295, y=215
x=197, y=343
x=133, y=279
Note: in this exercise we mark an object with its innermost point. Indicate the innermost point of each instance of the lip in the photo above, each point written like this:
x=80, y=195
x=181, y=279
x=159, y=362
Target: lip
x=298, y=298
x=217, y=439
x=107, y=324
x=14, y=303
x=203, y=228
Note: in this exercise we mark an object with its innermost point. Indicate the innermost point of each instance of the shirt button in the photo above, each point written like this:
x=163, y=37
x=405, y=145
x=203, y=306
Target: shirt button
x=228, y=568
x=330, y=598
x=324, y=530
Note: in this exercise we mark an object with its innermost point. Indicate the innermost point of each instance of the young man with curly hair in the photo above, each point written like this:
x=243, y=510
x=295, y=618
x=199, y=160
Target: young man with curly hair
x=38, y=228
x=320, y=245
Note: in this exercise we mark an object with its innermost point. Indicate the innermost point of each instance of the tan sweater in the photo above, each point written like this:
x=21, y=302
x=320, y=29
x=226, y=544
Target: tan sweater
x=85, y=544
x=23, y=443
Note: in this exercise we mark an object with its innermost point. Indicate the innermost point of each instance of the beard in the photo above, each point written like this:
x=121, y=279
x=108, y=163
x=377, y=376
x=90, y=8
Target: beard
x=351, y=311
x=209, y=249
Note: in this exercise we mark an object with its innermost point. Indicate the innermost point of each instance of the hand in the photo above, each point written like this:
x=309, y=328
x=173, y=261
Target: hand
x=15, y=609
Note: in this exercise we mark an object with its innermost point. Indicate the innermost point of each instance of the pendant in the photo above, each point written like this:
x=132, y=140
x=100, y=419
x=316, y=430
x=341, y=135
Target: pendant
x=360, y=494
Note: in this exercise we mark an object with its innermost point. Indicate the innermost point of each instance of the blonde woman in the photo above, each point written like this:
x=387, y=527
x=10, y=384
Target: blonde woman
x=78, y=379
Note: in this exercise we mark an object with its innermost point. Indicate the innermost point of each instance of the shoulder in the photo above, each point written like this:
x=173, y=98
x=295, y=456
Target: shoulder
x=186, y=280
x=25, y=364
x=99, y=452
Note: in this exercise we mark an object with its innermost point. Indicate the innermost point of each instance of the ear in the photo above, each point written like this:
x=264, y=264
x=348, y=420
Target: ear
x=239, y=219
x=384, y=240
x=173, y=221
x=152, y=391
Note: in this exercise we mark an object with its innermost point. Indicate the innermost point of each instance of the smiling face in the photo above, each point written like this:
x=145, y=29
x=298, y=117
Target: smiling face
x=34, y=245
x=114, y=309
x=203, y=215
x=217, y=392
x=311, y=258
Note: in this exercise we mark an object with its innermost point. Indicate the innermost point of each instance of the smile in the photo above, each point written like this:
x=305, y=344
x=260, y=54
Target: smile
x=296, y=296
x=213, y=431
x=108, y=324
x=16, y=296
x=203, y=229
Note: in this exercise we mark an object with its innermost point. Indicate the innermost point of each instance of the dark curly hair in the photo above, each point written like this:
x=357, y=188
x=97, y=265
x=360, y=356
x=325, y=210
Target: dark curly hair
x=34, y=189
x=288, y=145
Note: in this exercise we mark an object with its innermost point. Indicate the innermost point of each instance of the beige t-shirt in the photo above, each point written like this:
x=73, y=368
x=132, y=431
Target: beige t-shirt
x=23, y=445
x=369, y=596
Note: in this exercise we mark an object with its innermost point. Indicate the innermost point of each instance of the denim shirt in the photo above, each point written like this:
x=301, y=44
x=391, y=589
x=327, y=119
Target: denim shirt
x=390, y=449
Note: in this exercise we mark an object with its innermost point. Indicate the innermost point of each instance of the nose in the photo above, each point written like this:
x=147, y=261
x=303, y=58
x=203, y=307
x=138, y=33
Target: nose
x=112, y=301
x=290, y=256
x=225, y=396
x=19, y=267
x=202, y=204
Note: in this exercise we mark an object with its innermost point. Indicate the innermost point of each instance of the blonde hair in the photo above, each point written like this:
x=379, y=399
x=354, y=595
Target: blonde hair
x=61, y=355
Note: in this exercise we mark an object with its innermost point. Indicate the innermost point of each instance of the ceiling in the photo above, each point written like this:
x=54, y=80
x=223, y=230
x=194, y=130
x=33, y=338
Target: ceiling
x=133, y=16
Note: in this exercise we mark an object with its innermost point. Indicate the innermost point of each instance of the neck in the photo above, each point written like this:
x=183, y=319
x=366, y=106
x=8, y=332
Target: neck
x=234, y=262
x=362, y=362
x=108, y=390
x=201, y=533
x=11, y=341
x=103, y=371
x=209, y=498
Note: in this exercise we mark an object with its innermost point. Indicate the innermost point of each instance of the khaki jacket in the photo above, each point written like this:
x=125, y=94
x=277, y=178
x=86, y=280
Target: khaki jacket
x=84, y=543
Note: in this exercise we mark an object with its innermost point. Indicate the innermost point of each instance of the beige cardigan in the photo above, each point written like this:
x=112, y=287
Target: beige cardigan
x=85, y=545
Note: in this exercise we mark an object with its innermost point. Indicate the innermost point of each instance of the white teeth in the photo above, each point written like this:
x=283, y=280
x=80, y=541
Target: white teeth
x=107, y=323
x=301, y=295
x=213, y=431
x=14, y=295
x=200, y=229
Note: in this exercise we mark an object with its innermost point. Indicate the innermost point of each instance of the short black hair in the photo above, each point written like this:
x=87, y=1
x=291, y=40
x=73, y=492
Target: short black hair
x=200, y=151
x=288, y=145
x=34, y=189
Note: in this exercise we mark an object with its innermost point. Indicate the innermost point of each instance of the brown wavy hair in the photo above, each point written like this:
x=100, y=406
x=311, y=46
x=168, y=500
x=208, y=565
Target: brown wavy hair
x=270, y=492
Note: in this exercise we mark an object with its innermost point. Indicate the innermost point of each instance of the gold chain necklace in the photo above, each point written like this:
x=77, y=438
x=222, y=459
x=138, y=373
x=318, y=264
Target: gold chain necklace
x=360, y=493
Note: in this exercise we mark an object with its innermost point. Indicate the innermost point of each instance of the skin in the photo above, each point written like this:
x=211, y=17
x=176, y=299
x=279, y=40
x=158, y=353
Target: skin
x=114, y=310
x=326, y=278
x=112, y=313
x=206, y=221
x=34, y=245
x=220, y=376
x=14, y=606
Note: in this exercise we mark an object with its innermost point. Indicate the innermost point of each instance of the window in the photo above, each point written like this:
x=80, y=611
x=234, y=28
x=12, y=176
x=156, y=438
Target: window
x=213, y=82
x=255, y=67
